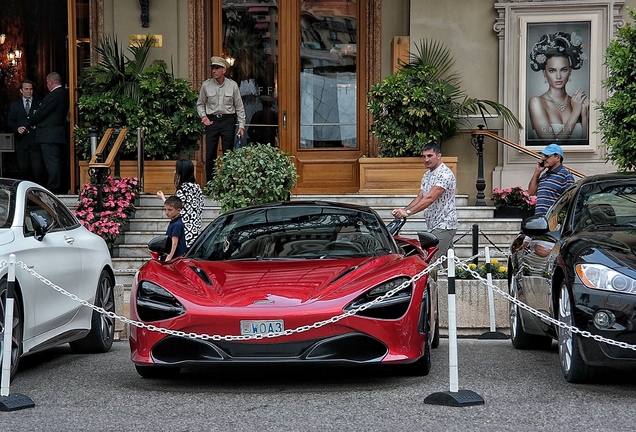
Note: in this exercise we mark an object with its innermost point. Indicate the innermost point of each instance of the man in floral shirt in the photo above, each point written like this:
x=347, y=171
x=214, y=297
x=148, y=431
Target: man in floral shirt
x=436, y=198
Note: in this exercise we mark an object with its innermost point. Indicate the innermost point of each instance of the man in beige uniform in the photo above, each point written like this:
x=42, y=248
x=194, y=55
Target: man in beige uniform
x=219, y=106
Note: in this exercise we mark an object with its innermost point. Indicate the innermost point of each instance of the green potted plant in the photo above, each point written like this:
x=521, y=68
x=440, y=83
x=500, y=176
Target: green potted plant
x=120, y=89
x=423, y=103
x=252, y=175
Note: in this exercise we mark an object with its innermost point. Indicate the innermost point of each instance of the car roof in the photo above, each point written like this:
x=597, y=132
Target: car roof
x=609, y=177
x=306, y=203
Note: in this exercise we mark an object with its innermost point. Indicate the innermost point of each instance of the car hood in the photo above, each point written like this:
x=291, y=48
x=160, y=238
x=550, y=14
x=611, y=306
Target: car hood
x=244, y=283
x=6, y=236
x=619, y=245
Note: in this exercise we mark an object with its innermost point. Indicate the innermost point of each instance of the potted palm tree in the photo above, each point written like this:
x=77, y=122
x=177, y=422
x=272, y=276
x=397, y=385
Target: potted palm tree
x=122, y=90
x=422, y=104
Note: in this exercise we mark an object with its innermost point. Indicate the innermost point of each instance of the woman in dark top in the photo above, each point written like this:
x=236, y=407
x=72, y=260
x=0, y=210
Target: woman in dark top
x=190, y=193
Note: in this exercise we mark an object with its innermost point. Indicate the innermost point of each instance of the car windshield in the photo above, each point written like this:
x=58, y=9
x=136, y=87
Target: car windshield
x=293, y=232
x=602, y=205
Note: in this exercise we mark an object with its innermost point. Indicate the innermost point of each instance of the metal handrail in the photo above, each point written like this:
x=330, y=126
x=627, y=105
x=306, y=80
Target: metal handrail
x=520, y=148
x=113, y=151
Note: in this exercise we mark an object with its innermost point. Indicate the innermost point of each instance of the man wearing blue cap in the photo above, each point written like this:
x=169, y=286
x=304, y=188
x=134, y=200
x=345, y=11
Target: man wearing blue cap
x=551, y=185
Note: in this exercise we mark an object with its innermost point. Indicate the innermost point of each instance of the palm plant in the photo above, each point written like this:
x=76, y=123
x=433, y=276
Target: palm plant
x=423, y=103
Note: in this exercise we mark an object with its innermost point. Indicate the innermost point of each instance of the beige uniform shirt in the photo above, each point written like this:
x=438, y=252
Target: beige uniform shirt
x=221, y=99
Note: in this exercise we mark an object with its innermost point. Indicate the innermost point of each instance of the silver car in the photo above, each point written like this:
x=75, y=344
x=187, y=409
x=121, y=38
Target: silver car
x=46, y=238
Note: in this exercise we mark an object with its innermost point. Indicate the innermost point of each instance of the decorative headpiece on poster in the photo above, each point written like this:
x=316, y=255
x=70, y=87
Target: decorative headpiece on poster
x=562, y=44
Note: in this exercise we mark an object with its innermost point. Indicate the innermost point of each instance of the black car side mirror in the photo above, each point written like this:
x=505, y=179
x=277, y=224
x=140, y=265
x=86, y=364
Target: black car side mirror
x=427, y=240
x=160, y=245
x=535, y=225
x=39, y=225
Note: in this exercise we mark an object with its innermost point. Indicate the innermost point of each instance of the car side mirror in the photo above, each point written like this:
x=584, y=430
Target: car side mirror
x=160, y=245
x=535, y=225
x=427, y=239
x=39, y=225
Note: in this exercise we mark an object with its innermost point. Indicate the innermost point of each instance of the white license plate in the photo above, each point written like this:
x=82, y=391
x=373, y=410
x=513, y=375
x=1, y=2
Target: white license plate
x=261, y=327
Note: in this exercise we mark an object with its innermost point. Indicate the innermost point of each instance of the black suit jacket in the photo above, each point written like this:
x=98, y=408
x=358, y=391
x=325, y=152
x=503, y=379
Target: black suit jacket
x=19, y=117
x=50, y=117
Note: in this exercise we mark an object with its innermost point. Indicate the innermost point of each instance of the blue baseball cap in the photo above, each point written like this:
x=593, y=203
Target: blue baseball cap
x=552, y=149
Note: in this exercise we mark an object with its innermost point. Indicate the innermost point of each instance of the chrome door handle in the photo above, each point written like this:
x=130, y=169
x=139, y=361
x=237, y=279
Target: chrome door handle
x=69, y=240
x=285, y=119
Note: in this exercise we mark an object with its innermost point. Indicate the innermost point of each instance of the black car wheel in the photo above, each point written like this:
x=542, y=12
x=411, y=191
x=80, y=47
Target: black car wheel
x=520, y=339
x=156, y=372
x=16, y=331
x=573, y=367
x=100, y=338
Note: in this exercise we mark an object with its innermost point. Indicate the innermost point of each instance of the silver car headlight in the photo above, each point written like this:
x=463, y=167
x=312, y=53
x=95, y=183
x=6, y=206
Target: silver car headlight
x=598, y=276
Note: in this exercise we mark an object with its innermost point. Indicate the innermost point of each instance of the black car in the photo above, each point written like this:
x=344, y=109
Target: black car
x=578, y=266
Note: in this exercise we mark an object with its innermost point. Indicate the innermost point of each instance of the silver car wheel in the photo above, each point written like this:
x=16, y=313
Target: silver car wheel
x=514, y=308
x=565, y=334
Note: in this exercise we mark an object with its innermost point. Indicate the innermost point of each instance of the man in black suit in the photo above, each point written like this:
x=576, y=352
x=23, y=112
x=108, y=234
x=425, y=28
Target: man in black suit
x=50, y=130
x=28, y=152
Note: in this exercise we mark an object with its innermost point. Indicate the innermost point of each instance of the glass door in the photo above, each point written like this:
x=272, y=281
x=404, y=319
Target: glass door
x=250, y=44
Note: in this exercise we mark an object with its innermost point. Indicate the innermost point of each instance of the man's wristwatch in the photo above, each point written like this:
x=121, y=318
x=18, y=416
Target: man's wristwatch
x=408, y=212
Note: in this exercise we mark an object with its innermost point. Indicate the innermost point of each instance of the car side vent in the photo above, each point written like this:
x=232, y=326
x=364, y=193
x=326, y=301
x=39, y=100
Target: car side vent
x=202, y=275
x=346, y=272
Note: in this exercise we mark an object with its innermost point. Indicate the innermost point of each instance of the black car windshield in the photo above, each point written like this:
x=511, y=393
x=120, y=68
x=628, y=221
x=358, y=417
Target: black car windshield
x=293, y=232
x=601, y=205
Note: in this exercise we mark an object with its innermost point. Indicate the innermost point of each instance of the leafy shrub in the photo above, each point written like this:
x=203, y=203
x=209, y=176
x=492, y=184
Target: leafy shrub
x=252, y=175
x=121, y=90
x=617, y=123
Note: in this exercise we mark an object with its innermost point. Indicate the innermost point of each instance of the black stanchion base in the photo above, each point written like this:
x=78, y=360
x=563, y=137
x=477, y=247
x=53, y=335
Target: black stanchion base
x=15, y=402
x=492, y=335
x=455, y=399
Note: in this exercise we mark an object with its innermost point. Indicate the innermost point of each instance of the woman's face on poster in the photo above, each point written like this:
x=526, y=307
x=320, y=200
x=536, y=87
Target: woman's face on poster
x=557, y=71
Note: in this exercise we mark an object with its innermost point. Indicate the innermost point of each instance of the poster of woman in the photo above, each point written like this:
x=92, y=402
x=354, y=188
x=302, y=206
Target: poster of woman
x=558, y=84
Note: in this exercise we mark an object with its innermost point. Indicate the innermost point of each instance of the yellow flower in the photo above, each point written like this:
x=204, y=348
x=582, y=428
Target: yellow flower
x=494, y=262
x=472, y=266
x=503, y=269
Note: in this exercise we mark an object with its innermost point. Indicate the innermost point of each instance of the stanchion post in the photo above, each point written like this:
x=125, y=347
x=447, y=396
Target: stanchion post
x=454, y=397
x=475, y=243
x=493, y=333
x=10, y=402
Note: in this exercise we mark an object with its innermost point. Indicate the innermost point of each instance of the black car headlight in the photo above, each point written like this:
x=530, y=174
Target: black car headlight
x=598, y=276
x=155, y=303
x=392, y=307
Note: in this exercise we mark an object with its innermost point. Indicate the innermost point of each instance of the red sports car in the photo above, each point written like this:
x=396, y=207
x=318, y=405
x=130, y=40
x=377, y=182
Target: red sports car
x=281, y=268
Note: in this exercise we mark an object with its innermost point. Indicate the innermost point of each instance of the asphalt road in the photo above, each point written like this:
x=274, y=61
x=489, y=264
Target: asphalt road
x=522, y=390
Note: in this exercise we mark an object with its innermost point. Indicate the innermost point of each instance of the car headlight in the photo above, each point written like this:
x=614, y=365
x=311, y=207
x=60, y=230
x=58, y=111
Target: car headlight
x=389, y=308
x=598, y=276
x=155, y=303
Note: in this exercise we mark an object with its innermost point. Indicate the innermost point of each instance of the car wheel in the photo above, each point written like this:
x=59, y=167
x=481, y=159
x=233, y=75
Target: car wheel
x=156, y=372
x=573, y=366
x=435, y=341
x=16, y=332
x=100, y=338
x=520, y=339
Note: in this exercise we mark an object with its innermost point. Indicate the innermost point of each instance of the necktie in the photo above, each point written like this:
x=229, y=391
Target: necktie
x=27, y=105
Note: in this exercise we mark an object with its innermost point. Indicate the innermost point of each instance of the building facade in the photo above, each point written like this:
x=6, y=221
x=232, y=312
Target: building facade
x=304, y=67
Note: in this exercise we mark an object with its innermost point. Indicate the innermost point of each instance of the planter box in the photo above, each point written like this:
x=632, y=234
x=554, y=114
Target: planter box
x=513, y=212
x=473, y=313
x=158, y=175
x=401, y=176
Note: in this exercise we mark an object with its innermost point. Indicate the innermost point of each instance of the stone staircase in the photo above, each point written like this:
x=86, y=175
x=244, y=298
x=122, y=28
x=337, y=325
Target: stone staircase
x=150, y=221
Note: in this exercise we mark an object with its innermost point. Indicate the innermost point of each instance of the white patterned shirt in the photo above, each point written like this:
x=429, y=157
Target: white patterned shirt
x=442, y=213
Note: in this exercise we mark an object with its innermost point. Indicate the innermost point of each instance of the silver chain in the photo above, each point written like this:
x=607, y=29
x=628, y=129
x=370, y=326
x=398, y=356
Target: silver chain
x=204, y=336
x=544, y=316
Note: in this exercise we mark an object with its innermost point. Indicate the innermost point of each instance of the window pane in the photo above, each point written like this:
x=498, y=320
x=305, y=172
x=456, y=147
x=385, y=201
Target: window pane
x=328, y=74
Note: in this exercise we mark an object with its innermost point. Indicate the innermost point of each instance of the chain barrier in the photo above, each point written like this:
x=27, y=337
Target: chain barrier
x=542, y=315
x=490, y=241
x=289, y=332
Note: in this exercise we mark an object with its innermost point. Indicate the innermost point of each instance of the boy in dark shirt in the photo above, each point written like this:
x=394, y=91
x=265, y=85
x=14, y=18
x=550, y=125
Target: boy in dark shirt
x=173, y=206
